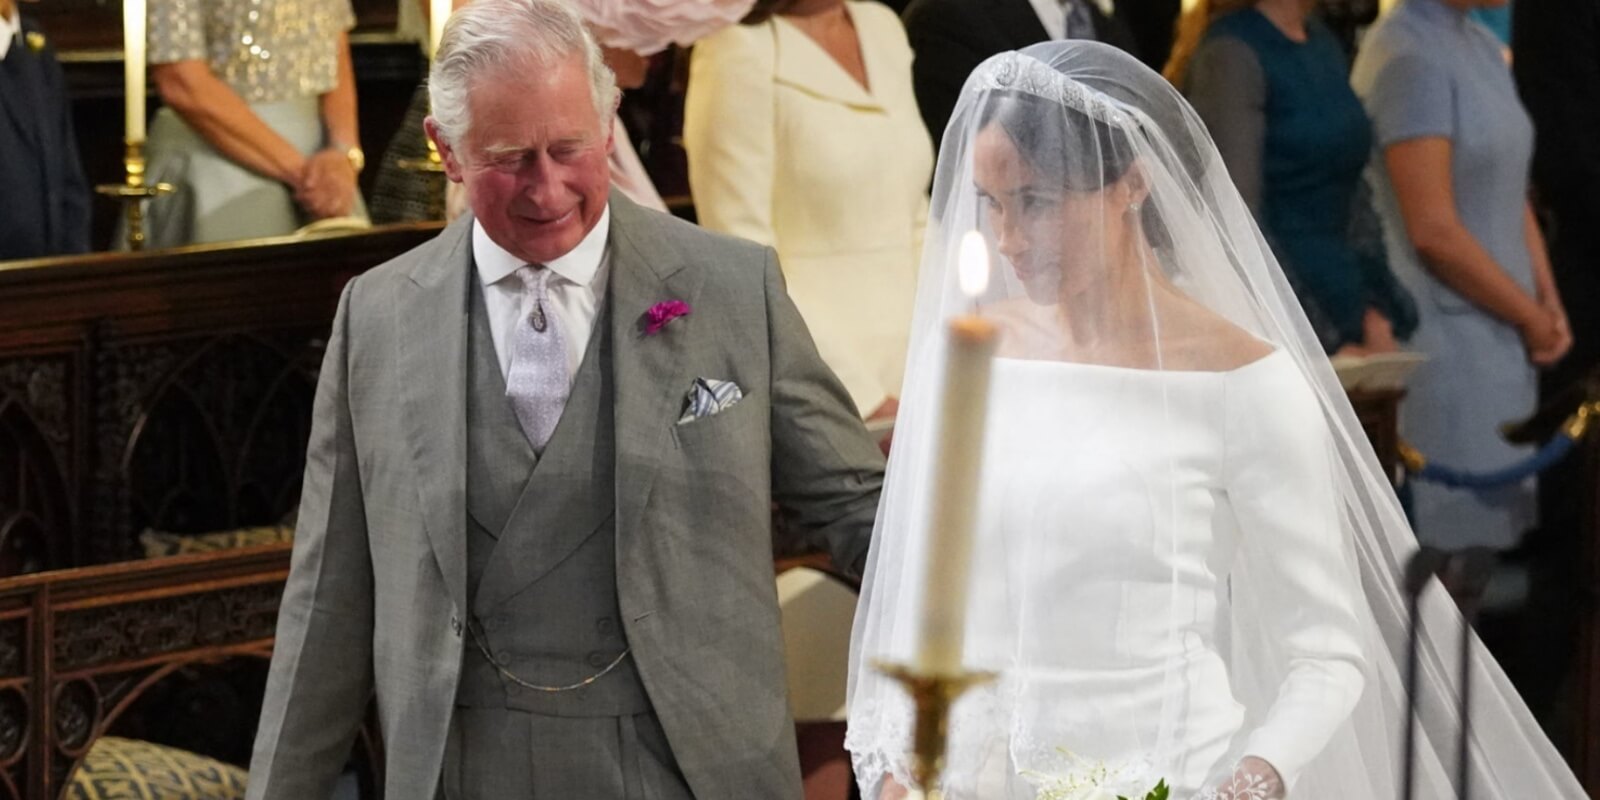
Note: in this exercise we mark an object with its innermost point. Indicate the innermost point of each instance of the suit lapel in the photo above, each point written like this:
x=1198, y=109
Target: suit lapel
x=499, y=465
x=18, y=100
x=1114, y=30
x=1019, y=23
x=803, y=64
x=651, y=374
x=431, y=320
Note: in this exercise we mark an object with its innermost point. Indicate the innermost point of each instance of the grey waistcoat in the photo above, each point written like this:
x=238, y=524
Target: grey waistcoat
x=541, y=543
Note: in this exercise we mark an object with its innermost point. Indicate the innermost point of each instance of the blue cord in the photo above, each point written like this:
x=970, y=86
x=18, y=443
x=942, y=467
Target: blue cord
x=1547, y=456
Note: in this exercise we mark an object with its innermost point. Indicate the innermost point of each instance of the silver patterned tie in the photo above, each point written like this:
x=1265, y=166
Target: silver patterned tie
x=537, y=382
x=1079, y=23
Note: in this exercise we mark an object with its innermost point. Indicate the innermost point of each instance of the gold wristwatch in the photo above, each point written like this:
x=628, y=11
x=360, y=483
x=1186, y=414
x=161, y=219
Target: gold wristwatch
x=357, y=159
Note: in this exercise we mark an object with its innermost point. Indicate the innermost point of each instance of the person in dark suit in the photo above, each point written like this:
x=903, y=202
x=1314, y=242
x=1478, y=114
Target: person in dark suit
x=44, y=199
x=1556, y=61
x=1153, y=24
x=1556, y=46
x=952, y=37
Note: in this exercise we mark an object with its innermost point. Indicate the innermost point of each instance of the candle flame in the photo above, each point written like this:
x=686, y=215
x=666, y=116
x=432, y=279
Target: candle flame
x=973, y=265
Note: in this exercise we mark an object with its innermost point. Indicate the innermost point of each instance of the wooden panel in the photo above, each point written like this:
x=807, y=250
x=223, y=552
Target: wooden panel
x=1379, y=414
x=79, y=649
x=168, y=390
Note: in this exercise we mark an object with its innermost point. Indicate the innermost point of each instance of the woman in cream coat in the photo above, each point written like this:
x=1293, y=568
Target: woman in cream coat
x=803, y=133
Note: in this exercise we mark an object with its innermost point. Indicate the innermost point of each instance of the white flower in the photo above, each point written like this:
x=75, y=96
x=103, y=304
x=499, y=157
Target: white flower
x=1078, y=778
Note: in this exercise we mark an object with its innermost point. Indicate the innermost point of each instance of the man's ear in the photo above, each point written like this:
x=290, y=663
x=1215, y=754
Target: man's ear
x=447, y=153
x=611, y=125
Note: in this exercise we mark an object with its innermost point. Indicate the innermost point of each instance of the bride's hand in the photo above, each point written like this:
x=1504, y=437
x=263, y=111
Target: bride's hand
x=892, y=790
x=1253, y=779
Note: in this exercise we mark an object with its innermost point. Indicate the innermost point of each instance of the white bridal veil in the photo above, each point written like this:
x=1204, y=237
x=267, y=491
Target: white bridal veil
x=1188, y=561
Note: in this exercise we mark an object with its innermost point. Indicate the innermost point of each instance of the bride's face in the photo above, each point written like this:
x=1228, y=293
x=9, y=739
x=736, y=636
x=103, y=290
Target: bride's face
x=1055, y=238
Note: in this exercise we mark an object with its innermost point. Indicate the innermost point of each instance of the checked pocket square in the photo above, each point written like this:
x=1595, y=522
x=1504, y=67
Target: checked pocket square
x=709, y=396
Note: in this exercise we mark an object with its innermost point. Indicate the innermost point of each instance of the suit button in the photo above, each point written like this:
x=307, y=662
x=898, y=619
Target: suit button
x=598, y=660
x=606, y=626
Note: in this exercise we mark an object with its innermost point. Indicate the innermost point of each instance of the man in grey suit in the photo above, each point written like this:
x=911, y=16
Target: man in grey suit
x=536, y=513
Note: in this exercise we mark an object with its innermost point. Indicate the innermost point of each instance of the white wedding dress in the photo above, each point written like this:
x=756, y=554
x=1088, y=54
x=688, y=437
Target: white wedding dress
x=1189, y=571
x=1076, y=577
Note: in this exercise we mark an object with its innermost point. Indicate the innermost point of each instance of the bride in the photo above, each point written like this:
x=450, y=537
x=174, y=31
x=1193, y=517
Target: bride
x=1187, y=557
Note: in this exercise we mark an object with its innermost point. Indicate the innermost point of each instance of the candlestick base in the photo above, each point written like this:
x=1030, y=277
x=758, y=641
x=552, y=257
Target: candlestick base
x=933, y=695
x=133, y=192
x=431, y=166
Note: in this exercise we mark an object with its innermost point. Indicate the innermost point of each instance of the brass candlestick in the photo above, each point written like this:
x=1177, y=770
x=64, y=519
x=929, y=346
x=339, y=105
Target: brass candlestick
x=431, y=166
x=933, y=695
x=133, y=192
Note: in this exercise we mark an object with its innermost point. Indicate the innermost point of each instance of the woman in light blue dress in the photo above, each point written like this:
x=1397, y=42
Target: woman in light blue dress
x=1451, y=175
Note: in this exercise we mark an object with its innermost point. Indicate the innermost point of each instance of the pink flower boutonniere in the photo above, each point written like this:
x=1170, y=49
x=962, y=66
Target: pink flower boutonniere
x=662, y=313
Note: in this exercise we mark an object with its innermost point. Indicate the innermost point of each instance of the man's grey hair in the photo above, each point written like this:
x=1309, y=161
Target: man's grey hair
x=488, y=36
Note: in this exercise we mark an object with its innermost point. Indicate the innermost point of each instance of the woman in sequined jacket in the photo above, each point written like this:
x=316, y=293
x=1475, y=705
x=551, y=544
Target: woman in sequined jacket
x=258, y=130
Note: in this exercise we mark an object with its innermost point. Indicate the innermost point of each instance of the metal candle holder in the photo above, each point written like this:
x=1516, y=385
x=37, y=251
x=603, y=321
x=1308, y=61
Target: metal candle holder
x=933, y=695
x=133, y=192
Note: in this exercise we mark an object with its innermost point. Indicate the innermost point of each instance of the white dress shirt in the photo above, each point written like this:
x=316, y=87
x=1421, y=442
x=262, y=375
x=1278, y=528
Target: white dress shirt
x=1053, y=15
x=10, y=29
x=576, y=287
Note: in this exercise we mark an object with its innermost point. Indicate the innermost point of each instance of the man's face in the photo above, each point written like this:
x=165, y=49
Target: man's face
x=534, y=158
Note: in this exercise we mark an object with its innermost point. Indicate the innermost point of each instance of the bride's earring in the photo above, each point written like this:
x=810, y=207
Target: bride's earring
x=1134, y=220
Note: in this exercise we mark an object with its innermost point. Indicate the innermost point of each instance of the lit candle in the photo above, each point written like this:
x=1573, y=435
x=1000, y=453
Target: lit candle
x=963, y=407
x=438, y=15
x=133, y=32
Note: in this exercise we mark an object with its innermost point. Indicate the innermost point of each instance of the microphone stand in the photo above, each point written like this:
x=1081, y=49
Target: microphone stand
x=1422, y=568
x=1465, y=573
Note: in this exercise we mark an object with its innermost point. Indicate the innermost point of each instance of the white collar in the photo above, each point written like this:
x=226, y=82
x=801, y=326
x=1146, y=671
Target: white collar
x=579, y=266
x=1107, y=7
x=9, y=28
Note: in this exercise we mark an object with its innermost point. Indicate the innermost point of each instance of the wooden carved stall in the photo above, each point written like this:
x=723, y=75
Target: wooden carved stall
x=79, y=648
x=168, y=391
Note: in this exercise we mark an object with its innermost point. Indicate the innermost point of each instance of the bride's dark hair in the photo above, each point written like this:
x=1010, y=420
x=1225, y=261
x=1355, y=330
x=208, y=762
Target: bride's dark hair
x=1045, y=132
x=1050, y=137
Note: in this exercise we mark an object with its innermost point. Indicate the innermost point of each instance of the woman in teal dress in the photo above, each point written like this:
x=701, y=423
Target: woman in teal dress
x=1271, y=84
